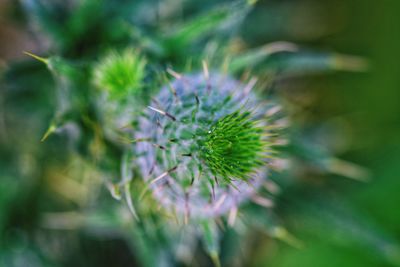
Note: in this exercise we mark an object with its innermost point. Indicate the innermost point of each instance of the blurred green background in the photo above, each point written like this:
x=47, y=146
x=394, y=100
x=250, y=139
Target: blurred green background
x=339, y=221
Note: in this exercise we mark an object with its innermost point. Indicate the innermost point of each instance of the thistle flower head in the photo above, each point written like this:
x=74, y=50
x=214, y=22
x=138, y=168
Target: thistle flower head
x=120, y=73
x=203, y=144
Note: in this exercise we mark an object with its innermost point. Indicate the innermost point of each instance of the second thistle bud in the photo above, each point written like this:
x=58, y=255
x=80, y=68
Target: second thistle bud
x=119, y=76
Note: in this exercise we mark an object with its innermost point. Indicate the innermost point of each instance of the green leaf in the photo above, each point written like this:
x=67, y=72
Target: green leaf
x=258, y=55
x=211, y=241
x=197, y=27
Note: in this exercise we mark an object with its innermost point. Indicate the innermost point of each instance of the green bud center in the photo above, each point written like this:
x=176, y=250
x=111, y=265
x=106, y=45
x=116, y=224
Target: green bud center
x=233, y=146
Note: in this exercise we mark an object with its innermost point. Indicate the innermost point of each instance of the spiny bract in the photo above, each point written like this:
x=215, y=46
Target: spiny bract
x=204, y=146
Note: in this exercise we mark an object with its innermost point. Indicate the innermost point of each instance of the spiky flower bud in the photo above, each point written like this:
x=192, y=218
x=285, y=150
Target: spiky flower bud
x=204, y=146
x=120, y=73
x=119, y=78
